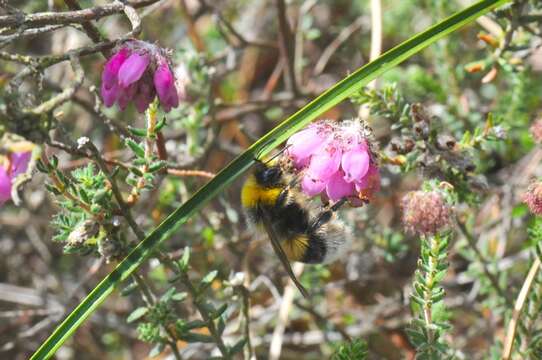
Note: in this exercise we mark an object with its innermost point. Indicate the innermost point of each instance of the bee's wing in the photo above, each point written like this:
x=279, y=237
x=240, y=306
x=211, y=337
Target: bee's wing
x=281, y=255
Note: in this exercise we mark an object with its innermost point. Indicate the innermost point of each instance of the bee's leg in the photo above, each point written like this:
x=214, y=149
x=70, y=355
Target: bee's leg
x=326, y=214
x=283, y=196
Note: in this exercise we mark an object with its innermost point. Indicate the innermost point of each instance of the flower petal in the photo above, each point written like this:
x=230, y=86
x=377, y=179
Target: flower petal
x=111, y=68
x=125, y=95
x=337, y=188
x=355, y=163
x=109, y=95
x=145, y=95
x=5, y=186
x=133, y=68
x=311, y=186
x=164, y=83
x=370, y=183
x=19, y=163
x=324, y=164
x=303, y=144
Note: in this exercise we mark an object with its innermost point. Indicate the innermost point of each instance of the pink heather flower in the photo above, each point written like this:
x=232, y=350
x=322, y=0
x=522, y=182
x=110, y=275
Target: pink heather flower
x=335, y=158
x=533, y=198
x=165, y=87
x=303, y=144
x=425, y=212
x=111, y=69
x=137, y=72
x=11, y=166
x=536, y=131
x=337, y=187
x=355, y=163
x=133, y=68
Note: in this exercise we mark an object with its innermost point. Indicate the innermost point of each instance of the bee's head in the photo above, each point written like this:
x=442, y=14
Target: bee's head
x=267, y=175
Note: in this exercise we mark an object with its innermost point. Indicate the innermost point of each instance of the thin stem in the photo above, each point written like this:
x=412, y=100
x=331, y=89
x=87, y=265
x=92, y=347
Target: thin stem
x=483, y=261
x=518, y=307
x=429, y=281
x=204, y=314
x=124, y=209
x=90, y=29
x=150, y=115
x=69, y=17
x=287, y=46
x=287, y=300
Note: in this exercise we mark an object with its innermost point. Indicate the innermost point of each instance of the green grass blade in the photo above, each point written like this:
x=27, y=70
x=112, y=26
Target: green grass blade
x=311, y=111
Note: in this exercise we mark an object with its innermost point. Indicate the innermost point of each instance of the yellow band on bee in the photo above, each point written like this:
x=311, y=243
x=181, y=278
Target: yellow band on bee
x=254, y=194
x=296, y=247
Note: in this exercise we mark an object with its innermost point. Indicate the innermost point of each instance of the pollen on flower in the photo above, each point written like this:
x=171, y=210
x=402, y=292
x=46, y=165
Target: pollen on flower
x=425, y=212
x=139, y=72
x=533, y=198
x=335, y=160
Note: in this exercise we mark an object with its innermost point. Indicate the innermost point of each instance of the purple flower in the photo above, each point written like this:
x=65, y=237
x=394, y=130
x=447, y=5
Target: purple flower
x=335, y=157
x=110, y=95
x=137, y=72
x=303, y=144
x=111, y=69
x=144, y=96
x=337, y=187
x=312, y=186
x=355, y=163
x=5, y=185
x=11, y=166
x=165, y=87
x=133, y=68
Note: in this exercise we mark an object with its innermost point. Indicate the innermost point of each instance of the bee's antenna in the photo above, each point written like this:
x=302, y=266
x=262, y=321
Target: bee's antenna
x=277, y=154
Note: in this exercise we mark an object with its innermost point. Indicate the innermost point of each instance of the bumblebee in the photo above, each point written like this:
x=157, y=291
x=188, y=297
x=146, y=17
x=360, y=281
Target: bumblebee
x=298, y=230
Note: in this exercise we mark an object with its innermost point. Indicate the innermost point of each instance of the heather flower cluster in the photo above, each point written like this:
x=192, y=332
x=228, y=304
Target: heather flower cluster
x=12, y=165
x=336, y=160
x=533, y=198
x=425, y=212
x=138, y=72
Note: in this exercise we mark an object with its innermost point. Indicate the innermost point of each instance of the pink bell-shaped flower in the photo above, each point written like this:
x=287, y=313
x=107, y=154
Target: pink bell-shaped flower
x=111, y=69
x=133, y=68
x=303, y=144
x=5, y=186
x=312, y=186
x=137, y=72
x=164, y=84
x=337, y=187
x=355, y=163
x=11, y=166
x=335, y=157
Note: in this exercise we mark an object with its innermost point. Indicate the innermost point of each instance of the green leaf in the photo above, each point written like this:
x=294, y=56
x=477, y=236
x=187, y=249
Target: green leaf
x=136, y=148
x=160, y=125
x=209, y=278
x=137, y=131
x=183, y=262
x=194, y=324
x=137, y=314
x=128, y=289
x=331, y=97
x=238, y=346
x=156, y=350
x=159, y=165
x=168, y=295
x=179, y=296
x=195, y=337
x=220, y=311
